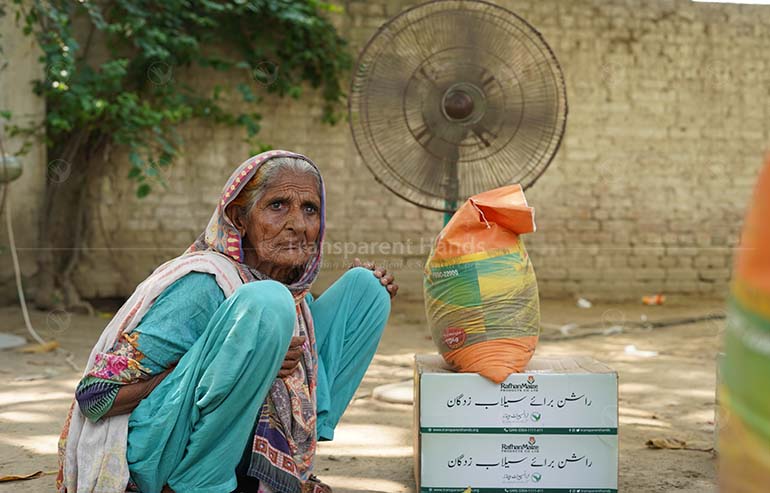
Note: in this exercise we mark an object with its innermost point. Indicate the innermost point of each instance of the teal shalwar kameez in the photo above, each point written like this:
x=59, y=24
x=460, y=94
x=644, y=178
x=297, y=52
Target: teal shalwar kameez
x=229, y=351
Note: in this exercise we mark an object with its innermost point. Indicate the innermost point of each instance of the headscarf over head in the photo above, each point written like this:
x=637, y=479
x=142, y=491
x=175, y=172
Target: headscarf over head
x=223, y=237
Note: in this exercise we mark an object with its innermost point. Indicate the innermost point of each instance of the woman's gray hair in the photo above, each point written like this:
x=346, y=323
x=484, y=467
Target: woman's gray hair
x=258, y=185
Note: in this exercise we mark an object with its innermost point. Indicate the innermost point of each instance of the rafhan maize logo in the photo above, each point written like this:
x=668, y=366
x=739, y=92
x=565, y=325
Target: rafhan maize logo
x=527, y=386
x=528, y=447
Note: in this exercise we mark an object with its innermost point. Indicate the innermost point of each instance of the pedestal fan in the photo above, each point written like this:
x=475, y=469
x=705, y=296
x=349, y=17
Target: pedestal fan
x=451, y=98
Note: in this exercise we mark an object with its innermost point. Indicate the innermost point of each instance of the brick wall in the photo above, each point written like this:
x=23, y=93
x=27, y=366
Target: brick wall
x=669, y=118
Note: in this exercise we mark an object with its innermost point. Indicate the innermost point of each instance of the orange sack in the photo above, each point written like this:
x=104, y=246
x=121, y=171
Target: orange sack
x=480, y=289
x=744, y=387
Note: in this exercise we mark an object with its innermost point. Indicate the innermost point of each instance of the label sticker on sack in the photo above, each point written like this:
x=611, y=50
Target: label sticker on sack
x=454, y=337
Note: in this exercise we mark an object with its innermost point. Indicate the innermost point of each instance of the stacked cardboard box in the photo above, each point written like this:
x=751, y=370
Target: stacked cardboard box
x=553, y=428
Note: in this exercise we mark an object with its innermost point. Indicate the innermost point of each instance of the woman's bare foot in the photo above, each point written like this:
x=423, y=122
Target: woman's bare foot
x=315, y=485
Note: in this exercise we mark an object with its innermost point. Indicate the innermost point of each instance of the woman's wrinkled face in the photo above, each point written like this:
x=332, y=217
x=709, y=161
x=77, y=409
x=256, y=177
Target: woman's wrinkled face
x=283, y=226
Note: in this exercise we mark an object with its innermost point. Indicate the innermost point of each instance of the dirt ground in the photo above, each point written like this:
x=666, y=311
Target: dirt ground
x=668, y=394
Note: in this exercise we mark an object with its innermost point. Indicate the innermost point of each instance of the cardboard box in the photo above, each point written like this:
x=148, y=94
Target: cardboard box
x=551, y=428
x=502, y=462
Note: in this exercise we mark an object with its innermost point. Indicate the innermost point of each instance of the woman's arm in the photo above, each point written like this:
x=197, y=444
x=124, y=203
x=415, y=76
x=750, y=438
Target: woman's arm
x=141, y=359
x=129, y=396
x=111, y=371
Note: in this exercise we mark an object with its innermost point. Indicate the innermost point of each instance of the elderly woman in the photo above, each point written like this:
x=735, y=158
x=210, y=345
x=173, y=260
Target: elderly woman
x=221, y=366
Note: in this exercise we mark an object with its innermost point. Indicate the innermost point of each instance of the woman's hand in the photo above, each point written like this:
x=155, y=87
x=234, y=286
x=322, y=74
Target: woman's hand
x=293, y=356
x=380, y=273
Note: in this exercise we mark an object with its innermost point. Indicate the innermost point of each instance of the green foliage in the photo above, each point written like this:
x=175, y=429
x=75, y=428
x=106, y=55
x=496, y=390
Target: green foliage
x=119, y=76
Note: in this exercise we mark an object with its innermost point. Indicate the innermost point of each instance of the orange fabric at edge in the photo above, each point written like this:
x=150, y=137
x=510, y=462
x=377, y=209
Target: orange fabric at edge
x=488, y=221
x=752, y=264
x=495, y=359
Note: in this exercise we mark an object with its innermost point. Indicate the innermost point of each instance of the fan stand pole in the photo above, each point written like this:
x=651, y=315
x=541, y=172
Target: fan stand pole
x=448, y=215
x=454, y=186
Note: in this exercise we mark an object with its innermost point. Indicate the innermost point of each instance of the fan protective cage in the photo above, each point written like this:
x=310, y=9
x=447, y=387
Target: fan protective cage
x=451, y=98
